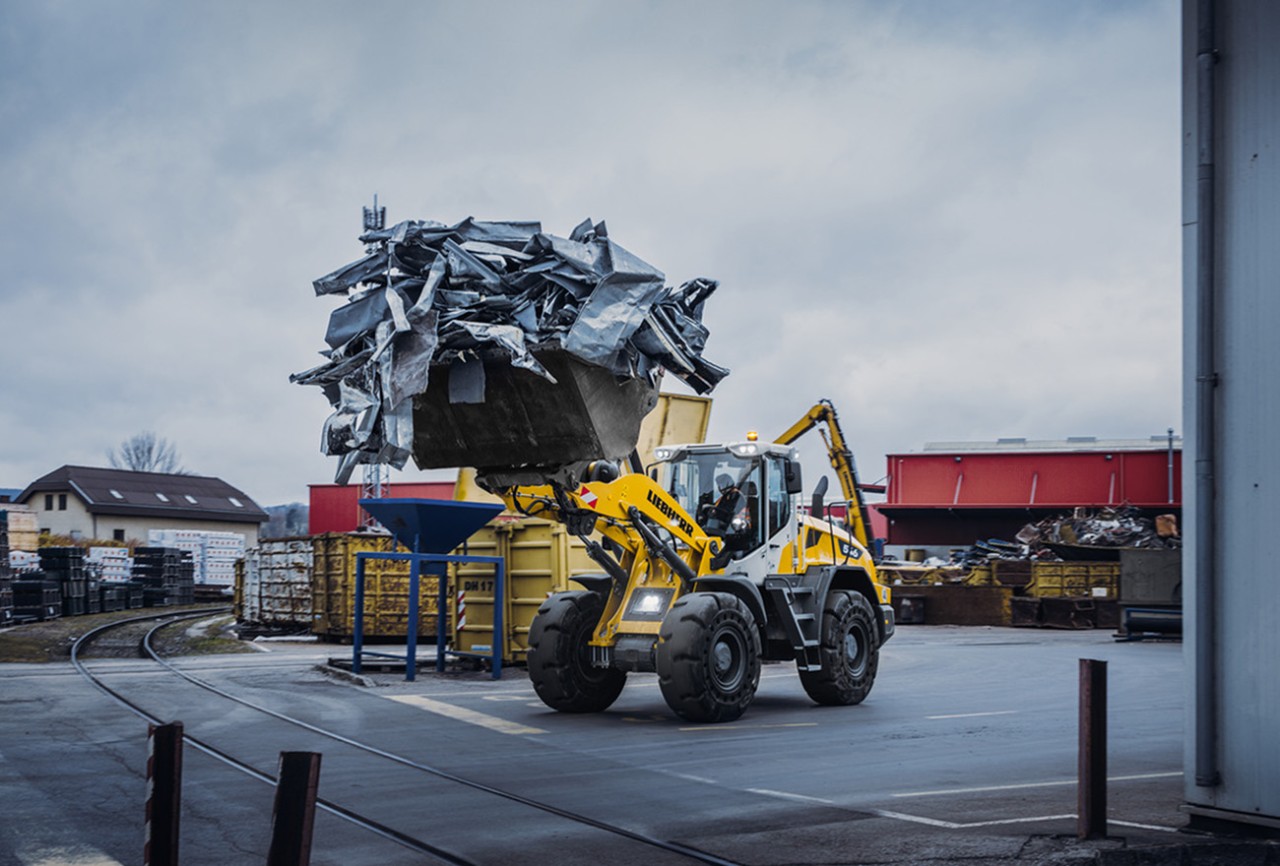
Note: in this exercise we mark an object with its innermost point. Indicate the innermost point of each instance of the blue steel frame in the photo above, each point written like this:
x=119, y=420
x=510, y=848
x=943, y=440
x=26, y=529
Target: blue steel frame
x=436, y=564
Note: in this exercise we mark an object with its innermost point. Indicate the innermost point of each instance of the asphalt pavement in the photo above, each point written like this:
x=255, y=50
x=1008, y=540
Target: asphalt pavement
x=966, y=751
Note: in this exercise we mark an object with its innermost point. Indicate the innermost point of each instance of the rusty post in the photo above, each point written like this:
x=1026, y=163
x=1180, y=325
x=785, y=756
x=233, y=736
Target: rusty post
x=1092, y=786
x=164, y=794
x=293, y=818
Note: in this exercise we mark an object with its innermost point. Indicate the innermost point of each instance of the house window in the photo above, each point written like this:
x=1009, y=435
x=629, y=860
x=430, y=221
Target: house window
x=117, y=534
x=62, y=502
x=162, y=497
x=48, y=502
x=236, y=502
x=191, y=499
x=117, y=494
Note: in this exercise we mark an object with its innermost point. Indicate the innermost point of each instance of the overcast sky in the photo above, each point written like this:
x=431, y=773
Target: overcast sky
x=957, y=220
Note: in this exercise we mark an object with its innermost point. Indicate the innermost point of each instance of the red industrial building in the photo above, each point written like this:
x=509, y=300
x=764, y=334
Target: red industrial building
x=334, y=507
x=955, y=493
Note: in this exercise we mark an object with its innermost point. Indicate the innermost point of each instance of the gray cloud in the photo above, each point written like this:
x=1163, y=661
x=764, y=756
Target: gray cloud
x=955, y=220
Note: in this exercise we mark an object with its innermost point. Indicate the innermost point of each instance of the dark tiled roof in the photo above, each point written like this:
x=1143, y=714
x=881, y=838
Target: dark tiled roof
x=150, y=494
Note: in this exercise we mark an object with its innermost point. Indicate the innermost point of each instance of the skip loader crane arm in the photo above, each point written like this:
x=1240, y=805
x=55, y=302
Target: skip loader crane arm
x=823, y=412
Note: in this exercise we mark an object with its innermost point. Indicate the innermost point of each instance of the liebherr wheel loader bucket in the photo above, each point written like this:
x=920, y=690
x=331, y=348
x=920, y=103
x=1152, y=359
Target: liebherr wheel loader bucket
x=527, y=429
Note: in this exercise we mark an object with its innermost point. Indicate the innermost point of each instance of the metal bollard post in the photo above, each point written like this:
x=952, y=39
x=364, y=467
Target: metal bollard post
x=164, y=794
x=1091, y=788
x=293, y=817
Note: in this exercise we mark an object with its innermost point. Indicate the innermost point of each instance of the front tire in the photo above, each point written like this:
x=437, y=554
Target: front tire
x=560, y=658
x=850, y=651
x=708, y=657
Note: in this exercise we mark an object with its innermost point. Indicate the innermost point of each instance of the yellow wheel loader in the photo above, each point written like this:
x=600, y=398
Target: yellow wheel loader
x=708, y=569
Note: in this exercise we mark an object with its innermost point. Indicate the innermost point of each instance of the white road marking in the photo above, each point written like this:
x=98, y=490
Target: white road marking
x=690, y=778
x=952, y=825
x=462, y=714
x=1143, y=826
x=1062, y=783
x=975, y=715
x=786, y=795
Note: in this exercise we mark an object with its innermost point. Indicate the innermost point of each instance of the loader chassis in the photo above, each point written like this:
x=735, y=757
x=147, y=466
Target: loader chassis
x=708, y=571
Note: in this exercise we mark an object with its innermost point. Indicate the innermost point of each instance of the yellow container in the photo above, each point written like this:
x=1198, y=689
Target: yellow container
x=1099, y=580
x=541, y=558
x=386, y=589
x=474, y=585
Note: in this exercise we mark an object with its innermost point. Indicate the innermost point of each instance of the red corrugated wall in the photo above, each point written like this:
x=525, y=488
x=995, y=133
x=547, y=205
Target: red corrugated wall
x=334, y=508
x=1038, y=480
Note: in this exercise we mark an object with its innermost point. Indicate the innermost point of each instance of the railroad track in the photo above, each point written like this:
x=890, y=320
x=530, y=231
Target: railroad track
x=149, y=626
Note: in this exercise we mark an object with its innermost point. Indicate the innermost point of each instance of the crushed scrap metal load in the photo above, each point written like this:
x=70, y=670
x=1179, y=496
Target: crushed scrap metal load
x=497, y=346
x=1081, y=534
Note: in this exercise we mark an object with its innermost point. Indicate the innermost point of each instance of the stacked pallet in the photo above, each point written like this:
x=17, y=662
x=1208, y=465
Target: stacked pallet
x=66, y=567
x=35, y=598
x=160, y=570
x=6, y=576
x=213, y=554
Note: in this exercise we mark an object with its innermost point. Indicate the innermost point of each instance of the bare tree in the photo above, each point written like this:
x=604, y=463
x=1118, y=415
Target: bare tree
x=147, y=452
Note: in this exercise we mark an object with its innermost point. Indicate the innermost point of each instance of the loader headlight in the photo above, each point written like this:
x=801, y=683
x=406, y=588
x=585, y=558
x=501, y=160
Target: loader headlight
x=649, y=604
x=662, y=454
x=745, y=449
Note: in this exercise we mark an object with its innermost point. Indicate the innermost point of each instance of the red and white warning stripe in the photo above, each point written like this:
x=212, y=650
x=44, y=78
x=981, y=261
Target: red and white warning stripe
x=462, y=610
x=588, y=498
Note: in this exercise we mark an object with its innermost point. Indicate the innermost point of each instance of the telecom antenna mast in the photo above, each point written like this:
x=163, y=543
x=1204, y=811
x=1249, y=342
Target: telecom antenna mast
x=377, y=476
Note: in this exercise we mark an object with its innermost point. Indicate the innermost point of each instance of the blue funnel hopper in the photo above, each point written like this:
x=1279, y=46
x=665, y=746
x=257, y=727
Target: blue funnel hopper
x=431, y=525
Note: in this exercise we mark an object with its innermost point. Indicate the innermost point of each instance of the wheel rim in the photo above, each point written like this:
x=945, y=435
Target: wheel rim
x=855, y=651
x=728, y=660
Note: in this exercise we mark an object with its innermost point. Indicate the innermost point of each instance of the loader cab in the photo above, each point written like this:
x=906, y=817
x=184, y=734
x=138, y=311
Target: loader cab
x=739, y=491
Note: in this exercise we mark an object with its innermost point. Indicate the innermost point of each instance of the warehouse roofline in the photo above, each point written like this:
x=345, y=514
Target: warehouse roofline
x=1072, y=443
x=150, y=494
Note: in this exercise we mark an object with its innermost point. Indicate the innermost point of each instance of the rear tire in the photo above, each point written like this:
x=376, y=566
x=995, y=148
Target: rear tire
x=560, y=658
x=708, y=657
x=850, y=651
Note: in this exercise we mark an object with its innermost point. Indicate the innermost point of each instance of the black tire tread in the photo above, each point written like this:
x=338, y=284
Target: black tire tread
x=564, y=622
x=683, y=657
x=834, y=684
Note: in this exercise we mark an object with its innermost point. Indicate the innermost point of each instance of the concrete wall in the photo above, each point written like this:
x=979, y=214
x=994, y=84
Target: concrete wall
x=1239, y=618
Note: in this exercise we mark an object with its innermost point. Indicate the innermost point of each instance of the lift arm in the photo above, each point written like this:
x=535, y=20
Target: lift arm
x=627, y=512
x=823, y=412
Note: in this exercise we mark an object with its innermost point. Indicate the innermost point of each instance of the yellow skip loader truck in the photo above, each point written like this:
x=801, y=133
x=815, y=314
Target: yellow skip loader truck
x=708, y=568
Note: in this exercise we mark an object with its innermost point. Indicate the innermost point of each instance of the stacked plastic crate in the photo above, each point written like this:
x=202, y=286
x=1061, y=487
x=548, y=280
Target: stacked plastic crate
x=34, y=596
x=221, y=553
x=112, y=567
x=213, y=554
x=66, y=566
x=158, y=569
x=6, y=576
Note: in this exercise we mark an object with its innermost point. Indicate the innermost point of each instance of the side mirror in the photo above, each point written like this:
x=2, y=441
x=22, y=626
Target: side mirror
x=816, y=508
x=792, y=471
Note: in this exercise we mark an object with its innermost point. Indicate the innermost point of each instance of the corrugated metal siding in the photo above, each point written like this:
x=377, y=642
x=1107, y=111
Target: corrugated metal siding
x=1042, y=480
x=1247, y=254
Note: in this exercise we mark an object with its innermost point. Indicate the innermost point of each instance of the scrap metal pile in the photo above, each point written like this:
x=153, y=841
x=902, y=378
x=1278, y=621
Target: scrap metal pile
x=1081, y=535
x=428, y=295
x=1109, y=527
